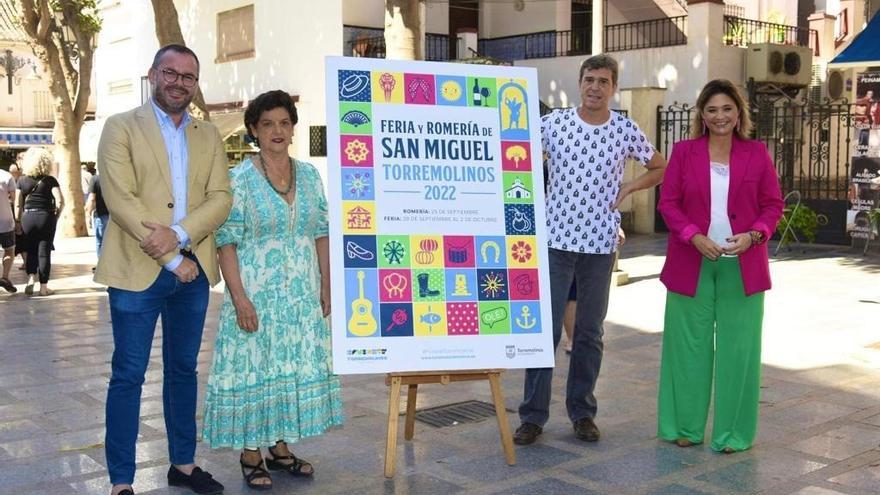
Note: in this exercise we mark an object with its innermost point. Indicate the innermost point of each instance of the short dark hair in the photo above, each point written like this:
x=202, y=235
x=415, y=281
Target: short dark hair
x=600, y=61
x=176, y=49
x=270, y=100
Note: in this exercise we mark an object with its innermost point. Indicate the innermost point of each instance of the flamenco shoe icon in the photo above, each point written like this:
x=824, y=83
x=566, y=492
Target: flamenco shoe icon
x=355, y=251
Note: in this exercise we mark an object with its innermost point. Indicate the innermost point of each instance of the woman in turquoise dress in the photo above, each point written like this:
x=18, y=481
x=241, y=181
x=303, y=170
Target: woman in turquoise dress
x=271, y=381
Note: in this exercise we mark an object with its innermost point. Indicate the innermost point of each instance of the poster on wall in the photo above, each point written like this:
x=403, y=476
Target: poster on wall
x=436, y=217
x=864, y=190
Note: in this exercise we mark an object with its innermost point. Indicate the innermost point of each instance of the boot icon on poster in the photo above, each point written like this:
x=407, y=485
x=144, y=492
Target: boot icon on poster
x=424, y=288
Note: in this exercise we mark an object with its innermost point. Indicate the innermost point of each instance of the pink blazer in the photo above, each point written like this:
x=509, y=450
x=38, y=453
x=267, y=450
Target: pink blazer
x=754, y=202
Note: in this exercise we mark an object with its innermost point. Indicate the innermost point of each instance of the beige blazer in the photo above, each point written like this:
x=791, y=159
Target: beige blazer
x=136, y=185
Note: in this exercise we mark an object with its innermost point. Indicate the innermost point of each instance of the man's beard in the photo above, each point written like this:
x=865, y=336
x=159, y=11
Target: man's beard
x=167, y=105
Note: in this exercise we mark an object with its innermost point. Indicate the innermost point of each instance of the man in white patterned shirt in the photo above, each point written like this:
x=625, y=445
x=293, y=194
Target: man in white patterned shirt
x=587, y=148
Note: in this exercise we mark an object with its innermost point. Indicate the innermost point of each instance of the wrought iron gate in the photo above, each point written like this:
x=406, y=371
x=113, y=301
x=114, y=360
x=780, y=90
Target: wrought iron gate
x=810, y=143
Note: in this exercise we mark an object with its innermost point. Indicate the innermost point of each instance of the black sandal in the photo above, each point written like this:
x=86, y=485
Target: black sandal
x=295, y=468
x=256, y=472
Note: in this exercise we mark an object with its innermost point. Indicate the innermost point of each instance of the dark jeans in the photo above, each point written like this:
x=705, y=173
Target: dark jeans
x=100, y=222
x=38, y=227
x=592, y=273
x=134, y=314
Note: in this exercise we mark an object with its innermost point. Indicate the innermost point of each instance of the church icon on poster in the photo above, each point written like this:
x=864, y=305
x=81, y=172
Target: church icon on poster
x=513, y=106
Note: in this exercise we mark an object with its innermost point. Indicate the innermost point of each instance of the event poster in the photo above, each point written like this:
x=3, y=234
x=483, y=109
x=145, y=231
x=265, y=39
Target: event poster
x=864, y=191
x=436, y=217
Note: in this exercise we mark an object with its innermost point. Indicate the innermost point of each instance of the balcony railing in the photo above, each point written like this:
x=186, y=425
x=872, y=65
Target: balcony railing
x=743, y=32
x=436, y=47
x=653, y=33
x=538, y=45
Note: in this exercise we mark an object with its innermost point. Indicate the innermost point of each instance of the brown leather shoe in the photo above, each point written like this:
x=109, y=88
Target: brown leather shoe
x=586, y=430
x=684, y=442
x=527, y=433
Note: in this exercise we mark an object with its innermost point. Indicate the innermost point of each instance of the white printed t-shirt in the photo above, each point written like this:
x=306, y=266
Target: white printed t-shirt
x=585, y=169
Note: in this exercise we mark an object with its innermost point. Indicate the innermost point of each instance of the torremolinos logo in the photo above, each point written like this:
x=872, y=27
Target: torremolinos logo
x=510, y=351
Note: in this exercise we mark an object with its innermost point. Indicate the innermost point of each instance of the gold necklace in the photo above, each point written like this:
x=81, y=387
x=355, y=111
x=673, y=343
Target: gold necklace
x=284, y=192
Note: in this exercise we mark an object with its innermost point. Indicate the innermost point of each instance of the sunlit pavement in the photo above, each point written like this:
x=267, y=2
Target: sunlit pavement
x=819, y=427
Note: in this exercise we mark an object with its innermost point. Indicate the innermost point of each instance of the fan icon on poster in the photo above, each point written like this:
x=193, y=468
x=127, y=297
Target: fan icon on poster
x=523, y=284
x=356, y=151
x=359, y=218
x=393, y=252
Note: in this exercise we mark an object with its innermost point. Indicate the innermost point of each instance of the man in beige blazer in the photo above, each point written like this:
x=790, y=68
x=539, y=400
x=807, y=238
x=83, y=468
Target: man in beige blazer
x=164, y=179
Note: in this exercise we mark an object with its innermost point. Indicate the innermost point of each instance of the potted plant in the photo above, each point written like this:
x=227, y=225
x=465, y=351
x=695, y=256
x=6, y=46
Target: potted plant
x=797, y=222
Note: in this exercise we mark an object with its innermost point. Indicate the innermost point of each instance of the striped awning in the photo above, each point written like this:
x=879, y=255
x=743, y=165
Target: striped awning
x=22, y=138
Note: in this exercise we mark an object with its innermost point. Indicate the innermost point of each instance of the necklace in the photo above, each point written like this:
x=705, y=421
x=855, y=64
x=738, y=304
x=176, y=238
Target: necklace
x=283, y=192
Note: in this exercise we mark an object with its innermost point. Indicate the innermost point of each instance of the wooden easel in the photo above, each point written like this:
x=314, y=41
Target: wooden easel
x=413, y=380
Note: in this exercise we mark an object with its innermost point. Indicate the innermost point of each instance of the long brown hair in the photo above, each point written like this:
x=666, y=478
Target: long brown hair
x=712, y=88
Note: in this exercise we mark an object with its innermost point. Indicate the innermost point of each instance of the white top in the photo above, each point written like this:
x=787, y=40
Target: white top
x=719, y=226
x=7, y=187
x=585, y=169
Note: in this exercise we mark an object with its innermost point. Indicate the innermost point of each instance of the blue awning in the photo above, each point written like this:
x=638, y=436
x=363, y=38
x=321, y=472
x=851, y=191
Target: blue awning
x=22, y=138
x=864, y=50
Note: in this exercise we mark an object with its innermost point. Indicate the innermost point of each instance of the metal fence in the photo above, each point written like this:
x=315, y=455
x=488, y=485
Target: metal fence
x=652, y=33
x=436, y=47
x=743, y=32
x=542, y=44
x=810, y=144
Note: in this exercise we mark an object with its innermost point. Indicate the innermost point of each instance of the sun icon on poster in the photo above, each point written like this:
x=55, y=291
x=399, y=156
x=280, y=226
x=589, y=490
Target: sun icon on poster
x=358, y=184
x=450, y=90
x=492, y=284
x=356, y=151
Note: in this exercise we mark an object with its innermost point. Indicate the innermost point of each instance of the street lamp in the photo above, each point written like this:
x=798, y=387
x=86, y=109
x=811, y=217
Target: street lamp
x=11, y=64
x=68, y=37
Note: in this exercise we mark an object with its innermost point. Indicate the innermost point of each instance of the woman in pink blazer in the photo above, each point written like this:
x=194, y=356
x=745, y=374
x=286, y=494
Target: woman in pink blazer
x=721, y=201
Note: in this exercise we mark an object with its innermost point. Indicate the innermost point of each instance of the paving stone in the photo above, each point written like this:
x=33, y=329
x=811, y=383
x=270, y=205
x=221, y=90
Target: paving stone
x=548, y=486
x=866, y=478
x=840, y=443
x=760, y=470
x=641, y=466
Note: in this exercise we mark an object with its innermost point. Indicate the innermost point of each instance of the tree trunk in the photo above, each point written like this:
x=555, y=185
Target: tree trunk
x=66, y=151
x=404, y=33
x=168, y=32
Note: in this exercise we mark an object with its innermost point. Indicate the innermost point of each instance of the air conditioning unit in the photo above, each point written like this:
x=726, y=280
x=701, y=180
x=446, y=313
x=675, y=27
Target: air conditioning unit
x=782, y=65
x=839, y=83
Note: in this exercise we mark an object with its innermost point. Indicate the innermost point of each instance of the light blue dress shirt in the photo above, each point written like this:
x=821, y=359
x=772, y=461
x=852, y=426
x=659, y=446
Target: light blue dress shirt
x=178, y=163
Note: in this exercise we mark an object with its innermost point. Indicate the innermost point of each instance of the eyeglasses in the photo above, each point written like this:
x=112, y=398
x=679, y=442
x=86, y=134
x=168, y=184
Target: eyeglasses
x=171, y=76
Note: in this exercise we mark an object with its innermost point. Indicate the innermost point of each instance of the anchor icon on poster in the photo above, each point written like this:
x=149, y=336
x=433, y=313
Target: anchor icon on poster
x=525, y=319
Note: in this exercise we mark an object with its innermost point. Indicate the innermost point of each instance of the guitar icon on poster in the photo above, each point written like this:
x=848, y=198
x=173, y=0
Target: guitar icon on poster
x=362, y=323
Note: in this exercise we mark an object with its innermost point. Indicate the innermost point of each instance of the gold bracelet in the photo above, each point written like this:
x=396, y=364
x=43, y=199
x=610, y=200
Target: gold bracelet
x=756, y=236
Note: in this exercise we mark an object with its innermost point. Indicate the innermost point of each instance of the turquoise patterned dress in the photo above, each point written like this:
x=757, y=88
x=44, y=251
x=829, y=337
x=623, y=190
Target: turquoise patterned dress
x=276, y=383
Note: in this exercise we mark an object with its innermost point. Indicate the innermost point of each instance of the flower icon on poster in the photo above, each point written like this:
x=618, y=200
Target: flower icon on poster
x=521, y=251
x=358, y=184
x=356, y=151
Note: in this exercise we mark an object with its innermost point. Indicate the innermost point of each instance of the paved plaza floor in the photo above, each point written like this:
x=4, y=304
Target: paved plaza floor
x=819, y=426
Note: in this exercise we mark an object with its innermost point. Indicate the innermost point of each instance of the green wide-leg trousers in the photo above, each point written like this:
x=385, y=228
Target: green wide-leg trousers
x=717, y=330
